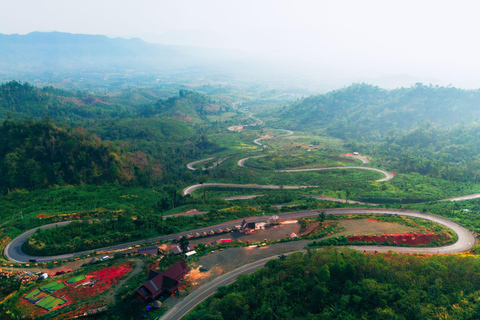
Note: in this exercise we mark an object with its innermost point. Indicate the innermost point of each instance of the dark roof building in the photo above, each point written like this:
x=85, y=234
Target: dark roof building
x=159, y=283
x=148, y=250
x=244, y=224
x=178, y=250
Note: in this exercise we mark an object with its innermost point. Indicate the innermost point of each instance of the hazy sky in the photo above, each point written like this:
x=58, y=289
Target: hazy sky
x=431, y=39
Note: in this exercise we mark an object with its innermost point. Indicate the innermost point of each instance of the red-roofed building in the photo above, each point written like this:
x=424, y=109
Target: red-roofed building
x=159, y=283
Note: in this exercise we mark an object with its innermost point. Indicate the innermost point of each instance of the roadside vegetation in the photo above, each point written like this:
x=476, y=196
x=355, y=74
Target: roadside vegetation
x=300, y=160
x=116, y=165
x=327, y=284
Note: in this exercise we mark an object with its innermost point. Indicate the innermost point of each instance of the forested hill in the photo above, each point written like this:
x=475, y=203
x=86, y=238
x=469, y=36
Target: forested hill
x=26, y=101
x=153, y=141
x=187, y=106
x=327, y=284
x=22, y=100
x=362, y=111
x=39, y=154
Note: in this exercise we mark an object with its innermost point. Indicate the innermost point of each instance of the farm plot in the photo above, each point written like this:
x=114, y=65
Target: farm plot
x=76, y=279
x=50, y=302
x=71, y=290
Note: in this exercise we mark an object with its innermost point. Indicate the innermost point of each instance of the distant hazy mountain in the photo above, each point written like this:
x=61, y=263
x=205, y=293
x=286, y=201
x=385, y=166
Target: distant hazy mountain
x=57, y=52
x=77, y=59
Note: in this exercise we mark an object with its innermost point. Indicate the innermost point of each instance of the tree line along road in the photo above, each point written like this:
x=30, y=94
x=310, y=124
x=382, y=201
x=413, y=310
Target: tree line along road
x=13, y=251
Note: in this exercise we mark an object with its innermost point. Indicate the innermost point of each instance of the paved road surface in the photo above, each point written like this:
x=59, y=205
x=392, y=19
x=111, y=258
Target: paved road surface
x=461, y=198
x=191, y=164
x=361, y=158
x=202, y=293
x=13, y=251
x=190, y=189
x=388, y=175
x=465, y=242
x=241, y=162
x=257, y=141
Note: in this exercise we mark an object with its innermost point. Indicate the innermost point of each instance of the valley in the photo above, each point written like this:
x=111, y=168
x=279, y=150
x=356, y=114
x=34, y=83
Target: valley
x=193, y=177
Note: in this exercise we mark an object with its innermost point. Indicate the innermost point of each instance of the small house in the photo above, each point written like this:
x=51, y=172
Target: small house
x=167, y=281
x=178, y=250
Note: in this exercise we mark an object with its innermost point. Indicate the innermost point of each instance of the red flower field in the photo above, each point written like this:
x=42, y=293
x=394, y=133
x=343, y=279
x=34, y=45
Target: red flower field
x=408, y=238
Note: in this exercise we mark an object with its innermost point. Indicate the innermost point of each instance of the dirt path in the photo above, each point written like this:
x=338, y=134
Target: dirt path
x=110, y=297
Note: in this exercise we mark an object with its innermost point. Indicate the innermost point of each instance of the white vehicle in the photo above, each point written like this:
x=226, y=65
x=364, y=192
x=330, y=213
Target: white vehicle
x=104, y=258
x=355, y=153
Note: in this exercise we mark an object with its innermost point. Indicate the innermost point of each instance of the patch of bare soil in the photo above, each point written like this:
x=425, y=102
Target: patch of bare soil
x=219, y=262
x=364, y=226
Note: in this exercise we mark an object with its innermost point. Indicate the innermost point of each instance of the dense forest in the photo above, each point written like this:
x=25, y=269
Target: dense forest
x=429, y=130
x=26, y=101
x=327, y=284
x=39, y=154
x=444, y=153
x=365, y=112
x=151, y=141
x=188, y=105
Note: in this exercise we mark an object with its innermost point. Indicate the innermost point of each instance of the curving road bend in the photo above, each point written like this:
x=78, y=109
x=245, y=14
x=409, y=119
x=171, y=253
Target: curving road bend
x=13, y=251
x=465, y=242
x=388, y=175
x=361, y=158
x=189, y=190
x=257, y=141
x=191, y=164
x=241, y=162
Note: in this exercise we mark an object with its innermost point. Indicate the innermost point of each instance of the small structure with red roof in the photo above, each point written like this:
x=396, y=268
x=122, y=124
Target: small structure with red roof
x=167, y=281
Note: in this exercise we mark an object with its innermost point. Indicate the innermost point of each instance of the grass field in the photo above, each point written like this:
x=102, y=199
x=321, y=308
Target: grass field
x=32, y=294
x=300, y=160
x=76, y=279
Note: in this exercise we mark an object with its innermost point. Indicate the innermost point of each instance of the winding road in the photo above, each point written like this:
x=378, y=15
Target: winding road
x=191, y=164
x=13, y=251
x=465, y=241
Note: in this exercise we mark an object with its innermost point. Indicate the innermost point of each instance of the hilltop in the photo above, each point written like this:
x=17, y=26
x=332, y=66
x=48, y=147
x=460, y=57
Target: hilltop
x=362, y=111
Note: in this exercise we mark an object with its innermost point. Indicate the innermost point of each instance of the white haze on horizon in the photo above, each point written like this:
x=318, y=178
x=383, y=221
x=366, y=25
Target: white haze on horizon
x=356, y=40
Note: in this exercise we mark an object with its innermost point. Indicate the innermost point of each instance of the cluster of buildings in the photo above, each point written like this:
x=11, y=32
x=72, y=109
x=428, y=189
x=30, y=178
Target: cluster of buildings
x=166, y=282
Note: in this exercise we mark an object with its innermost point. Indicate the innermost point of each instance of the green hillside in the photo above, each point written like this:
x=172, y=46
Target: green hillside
x=26, y=101
x=188, y=106
x=363, y=112
x=39, y=154
x=101, y=139
x=351, y=285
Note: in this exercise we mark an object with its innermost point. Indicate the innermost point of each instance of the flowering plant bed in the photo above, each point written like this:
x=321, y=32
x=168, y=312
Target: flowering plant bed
x=73, y=290
x=98, y=282
x=408, y=238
